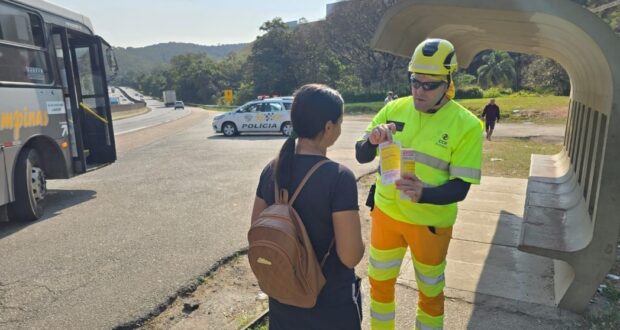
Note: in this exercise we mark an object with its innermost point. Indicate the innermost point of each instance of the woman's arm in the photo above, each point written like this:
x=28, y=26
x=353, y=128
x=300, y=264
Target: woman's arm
x=259, y=206
x=348, y=235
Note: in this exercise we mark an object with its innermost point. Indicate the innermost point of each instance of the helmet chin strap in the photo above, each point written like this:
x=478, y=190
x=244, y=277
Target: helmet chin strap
x=434, y=108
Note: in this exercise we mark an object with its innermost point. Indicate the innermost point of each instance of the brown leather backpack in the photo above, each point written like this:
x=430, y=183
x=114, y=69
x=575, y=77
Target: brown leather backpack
x=281, y=254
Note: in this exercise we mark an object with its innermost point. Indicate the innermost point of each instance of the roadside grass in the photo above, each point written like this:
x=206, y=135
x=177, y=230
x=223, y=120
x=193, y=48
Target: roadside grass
x=610, y=319
x=244, y=320
x=548, y=109
x=612, y=294
x=264, y=325
x=510, y=157
x=604, y=313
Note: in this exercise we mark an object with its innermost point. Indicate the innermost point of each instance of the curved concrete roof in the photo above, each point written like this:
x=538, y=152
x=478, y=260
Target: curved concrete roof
x=559, y=29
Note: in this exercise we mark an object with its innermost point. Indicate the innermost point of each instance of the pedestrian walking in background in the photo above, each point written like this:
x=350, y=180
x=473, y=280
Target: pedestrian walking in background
x=389, y=97
x=490, y=115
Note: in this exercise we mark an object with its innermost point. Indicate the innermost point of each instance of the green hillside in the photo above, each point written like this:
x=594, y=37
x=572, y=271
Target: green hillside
x=133, y=61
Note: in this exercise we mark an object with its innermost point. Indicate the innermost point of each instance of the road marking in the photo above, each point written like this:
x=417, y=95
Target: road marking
x=132, y=130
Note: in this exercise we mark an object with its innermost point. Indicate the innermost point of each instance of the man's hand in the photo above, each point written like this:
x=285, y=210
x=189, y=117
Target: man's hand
x=411, y=186
x=382, y=133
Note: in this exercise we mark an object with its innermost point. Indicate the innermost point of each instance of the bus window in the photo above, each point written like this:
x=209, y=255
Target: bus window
x=20, y=26
x=85, y=70
x=60, y=56
x=22, y=64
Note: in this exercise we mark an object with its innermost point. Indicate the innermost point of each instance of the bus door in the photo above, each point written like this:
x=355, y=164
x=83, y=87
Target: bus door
x=82, y=61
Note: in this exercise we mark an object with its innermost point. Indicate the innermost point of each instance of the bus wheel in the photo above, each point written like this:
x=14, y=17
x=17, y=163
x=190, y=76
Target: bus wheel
x=30, y=187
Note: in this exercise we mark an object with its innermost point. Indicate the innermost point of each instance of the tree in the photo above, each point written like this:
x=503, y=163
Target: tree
x=196, y=78
x=270, y=59
x=349, y=30
x=498, y=70
x=463, y=79
x=545, y=75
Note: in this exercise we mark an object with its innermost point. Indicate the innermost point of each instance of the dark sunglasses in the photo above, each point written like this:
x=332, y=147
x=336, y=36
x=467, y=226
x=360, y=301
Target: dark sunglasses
x=427, y=86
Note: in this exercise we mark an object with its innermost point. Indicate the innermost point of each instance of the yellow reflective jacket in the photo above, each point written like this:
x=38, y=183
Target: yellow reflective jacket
x=447, y=145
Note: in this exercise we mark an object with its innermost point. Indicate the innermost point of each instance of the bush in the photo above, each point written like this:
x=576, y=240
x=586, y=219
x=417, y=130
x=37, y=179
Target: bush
x=371, y=96
x=546, y=90
x=361, y=109
x=492, y=92
x=359, y=98
x=525, y=92
x=473, y=92
x=464, y=79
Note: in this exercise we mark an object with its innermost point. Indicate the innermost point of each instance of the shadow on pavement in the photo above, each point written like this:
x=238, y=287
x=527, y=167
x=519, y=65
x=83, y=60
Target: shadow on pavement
x=56, y=201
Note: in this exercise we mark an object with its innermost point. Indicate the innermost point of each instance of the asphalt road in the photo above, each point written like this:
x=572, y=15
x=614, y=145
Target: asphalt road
x=158, y=115
x=115, y=243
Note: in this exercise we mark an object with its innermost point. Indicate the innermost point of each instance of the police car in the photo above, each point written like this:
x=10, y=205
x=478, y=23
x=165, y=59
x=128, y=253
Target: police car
x=260, y=116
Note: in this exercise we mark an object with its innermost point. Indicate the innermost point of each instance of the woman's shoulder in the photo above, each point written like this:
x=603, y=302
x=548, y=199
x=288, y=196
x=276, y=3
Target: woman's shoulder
x=339, y=170
x=269, y=166
x=267, y=171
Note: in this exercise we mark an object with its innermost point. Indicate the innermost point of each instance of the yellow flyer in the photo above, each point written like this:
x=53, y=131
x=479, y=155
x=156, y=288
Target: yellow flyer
x=389, y=154
x=407, y=160
x=407, y=166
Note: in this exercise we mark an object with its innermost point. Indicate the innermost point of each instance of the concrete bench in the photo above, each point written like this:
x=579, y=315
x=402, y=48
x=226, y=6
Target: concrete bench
x=560, y=219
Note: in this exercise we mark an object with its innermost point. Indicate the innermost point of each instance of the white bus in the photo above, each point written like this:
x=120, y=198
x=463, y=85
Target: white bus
x=55, y=118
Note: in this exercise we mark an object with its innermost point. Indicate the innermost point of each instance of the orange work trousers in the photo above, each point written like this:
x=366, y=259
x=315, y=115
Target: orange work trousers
x=428, y=246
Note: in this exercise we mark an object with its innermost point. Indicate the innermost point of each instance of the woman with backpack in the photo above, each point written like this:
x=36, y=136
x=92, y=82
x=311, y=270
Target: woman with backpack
x=327, y=205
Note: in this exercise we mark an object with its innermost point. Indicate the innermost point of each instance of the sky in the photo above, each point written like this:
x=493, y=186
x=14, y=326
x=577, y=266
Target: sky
x=137, y=23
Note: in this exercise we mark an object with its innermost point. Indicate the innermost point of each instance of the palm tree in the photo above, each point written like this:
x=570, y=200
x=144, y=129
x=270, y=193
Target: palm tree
x=498, y=70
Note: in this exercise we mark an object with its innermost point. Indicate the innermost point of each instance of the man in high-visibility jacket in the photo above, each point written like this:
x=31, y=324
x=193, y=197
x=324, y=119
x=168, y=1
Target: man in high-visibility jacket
x=418, y=211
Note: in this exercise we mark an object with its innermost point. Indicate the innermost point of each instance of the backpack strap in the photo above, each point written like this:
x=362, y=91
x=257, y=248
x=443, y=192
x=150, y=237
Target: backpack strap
x=329, y=250
x=303, y=182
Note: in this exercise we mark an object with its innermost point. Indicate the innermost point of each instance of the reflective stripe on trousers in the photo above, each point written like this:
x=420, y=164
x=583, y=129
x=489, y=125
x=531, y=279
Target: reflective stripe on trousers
x=420, y=326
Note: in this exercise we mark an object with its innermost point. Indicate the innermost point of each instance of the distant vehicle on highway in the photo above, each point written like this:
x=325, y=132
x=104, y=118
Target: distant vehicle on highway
x=169, y=97
x=262, y=116
x=179, y=105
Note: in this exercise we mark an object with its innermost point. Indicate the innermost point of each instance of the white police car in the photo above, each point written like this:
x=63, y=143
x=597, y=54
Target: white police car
x=260, y=116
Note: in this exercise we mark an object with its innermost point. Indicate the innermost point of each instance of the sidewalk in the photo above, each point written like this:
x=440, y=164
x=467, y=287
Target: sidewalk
x=489, y=283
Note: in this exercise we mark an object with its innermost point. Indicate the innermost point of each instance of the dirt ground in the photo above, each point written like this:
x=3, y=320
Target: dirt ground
x=555, y=115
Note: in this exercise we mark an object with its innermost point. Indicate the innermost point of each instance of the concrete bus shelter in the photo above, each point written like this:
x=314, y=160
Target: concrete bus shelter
x=586, y=174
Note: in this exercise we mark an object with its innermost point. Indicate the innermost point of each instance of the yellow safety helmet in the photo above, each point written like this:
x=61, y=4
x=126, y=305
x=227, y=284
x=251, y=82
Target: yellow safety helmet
x=434, y=57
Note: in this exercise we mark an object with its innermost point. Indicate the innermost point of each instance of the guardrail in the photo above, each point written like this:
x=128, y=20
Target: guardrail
x=129, y=96
x=127, y=107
